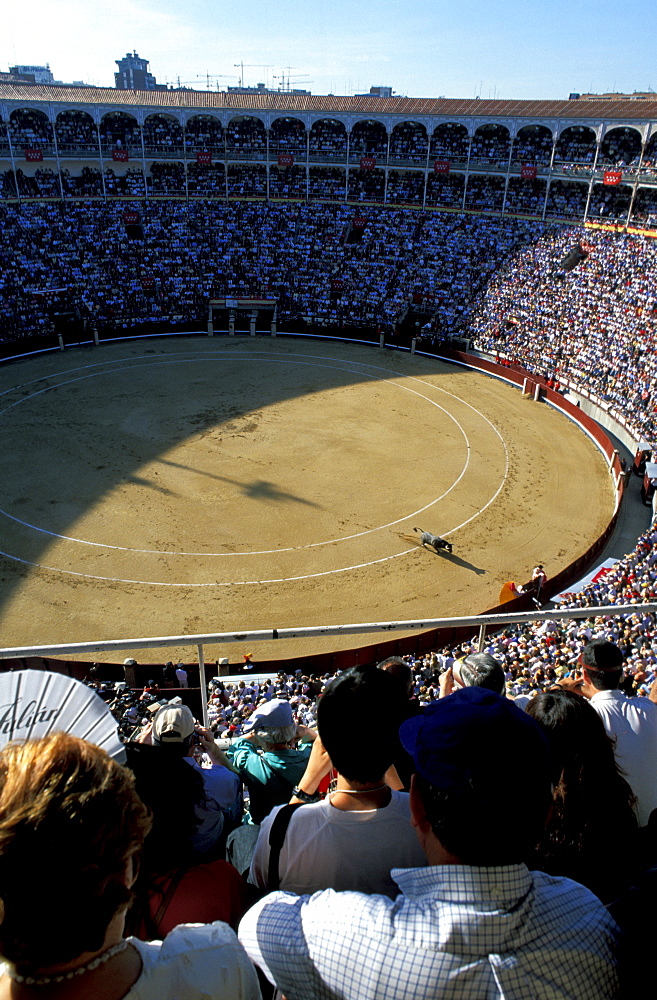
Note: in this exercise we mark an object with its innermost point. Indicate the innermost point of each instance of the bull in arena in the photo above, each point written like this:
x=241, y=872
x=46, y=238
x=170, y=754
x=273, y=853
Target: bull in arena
x=434, y=542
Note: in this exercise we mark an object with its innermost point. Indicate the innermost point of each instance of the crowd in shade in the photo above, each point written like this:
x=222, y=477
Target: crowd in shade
x=496, y=280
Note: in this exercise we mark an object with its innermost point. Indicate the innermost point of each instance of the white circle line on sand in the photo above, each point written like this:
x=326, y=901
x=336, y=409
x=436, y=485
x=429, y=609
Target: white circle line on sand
x=228, y=583
x=192, y=356
x=268, y=356
x=282, y=360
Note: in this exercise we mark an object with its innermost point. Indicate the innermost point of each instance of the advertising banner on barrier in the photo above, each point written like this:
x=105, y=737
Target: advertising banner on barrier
x=615, y=227
x=367, y=162
x=204, y=158
x=441, y=167
x=592, y=577
x=33, y=155
x=528, y=171
x=285, y=159
x=612, y=177
x=120, y=155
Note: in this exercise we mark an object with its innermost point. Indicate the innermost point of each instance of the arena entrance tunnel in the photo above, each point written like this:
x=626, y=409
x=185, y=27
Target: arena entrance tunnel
x=169, y=487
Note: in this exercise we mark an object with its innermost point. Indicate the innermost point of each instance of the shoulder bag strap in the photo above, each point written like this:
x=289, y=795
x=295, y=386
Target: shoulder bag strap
x=276, y=841
x=167, y=897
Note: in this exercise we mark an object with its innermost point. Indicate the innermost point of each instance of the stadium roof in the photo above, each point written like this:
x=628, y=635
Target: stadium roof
x=409, y=106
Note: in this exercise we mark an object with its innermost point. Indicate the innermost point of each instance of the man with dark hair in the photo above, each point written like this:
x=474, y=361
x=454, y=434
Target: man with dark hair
x=351, y=839
x=631, y=722
x=475, y=922
x=400, y=669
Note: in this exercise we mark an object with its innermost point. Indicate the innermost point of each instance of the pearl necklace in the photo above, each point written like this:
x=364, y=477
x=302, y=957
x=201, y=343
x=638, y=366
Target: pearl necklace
x=117, y=949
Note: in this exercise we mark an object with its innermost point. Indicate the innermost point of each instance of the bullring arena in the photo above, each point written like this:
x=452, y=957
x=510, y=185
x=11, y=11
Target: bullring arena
x=193, y=485
x=187, y=484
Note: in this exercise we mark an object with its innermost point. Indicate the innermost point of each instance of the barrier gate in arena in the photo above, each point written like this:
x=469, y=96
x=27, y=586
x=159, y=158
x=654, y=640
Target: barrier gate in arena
x=242, y=316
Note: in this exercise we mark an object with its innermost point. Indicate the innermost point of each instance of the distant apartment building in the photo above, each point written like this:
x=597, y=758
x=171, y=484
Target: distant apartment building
x=377, y=92
x=133, y=74
x=33, y=74
x=638, y=95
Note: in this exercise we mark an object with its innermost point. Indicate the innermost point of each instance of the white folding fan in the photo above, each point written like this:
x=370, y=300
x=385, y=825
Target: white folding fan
x=36, y=702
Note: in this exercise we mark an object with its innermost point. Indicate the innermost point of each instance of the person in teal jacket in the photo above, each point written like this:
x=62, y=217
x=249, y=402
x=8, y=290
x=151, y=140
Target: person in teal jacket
x=271, y=764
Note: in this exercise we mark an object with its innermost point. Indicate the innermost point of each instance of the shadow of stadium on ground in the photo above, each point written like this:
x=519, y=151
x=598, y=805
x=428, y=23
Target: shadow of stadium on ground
x=159, y=446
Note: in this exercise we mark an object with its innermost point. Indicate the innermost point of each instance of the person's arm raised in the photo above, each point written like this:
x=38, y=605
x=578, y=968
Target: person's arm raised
x=319, y=765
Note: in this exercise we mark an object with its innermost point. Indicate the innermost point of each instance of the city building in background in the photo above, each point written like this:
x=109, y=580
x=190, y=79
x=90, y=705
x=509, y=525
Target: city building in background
x=133, y=74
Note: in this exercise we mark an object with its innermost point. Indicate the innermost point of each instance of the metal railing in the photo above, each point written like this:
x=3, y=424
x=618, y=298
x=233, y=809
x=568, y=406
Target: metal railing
x=480, y=624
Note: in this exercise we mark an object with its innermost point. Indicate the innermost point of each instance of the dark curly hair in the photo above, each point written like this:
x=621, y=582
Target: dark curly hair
x=70, y=821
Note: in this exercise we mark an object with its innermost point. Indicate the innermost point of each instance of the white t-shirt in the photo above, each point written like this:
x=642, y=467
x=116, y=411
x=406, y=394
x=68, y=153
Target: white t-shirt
x=194, y=962
x=632, y=722
x=328, y=848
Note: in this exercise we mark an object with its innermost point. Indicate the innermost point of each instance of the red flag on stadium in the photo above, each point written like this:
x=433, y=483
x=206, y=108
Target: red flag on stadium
x=359, y=222
x=528, y=171
x=120, y=154
x=441, y=167
x=148, y=281
x=204, y=158
x=130, y=217
x=285, y=159
x=367, y=162
x=33, y=155
x=337, y=284
x=612, y=177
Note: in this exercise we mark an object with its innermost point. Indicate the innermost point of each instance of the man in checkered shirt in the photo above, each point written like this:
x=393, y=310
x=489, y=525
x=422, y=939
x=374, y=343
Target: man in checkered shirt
x=475, y=924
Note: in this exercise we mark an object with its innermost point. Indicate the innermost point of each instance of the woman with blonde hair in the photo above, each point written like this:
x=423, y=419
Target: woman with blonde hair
x=71, y=828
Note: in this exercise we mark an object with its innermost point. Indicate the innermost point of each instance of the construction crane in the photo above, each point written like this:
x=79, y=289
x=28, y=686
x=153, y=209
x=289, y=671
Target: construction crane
x=215, y=76
x=284, y=85
x=207, y=77
x=241, y=65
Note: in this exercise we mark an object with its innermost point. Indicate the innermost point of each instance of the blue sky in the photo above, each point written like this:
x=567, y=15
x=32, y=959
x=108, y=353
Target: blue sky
x=421, y=48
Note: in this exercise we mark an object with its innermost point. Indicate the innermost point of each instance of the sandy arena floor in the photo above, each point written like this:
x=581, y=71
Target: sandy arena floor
x=181, y=486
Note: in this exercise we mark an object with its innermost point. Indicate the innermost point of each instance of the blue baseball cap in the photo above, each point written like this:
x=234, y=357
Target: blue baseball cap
x=471, y=734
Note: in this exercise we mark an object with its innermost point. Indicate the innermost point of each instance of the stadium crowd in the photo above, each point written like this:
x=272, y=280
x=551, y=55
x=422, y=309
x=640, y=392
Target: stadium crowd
x=496, y=281
x=547, y=698
x=476, y=274
x=502, y=284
